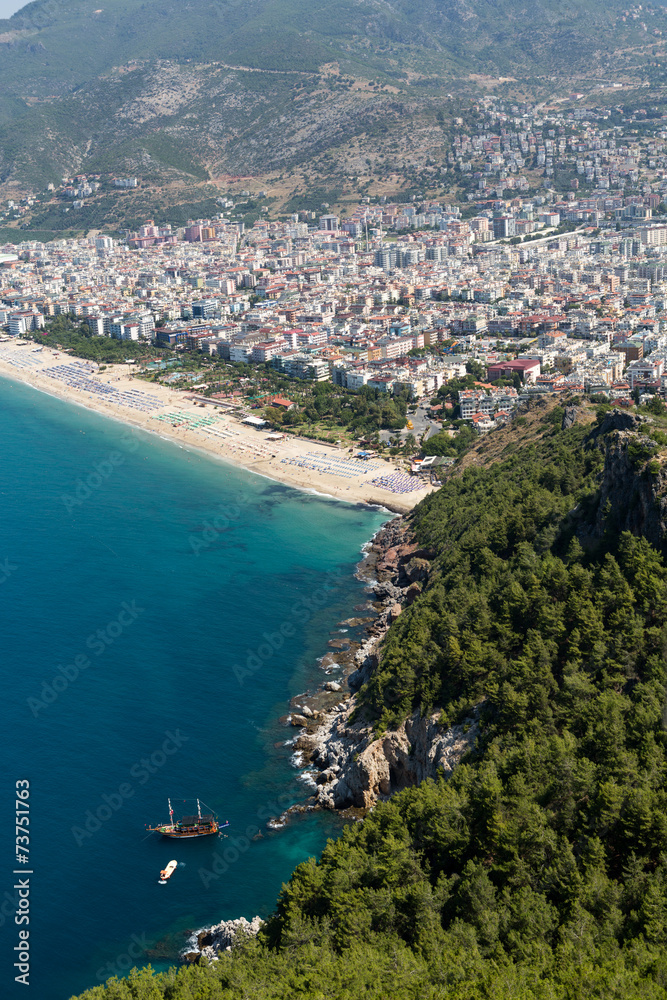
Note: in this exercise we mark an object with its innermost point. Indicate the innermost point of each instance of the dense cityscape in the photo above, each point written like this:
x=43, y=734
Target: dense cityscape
x=550, y=291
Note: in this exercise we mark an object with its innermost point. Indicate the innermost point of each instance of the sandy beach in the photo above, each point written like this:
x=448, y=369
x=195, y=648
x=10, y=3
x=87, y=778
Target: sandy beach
x=298, y=462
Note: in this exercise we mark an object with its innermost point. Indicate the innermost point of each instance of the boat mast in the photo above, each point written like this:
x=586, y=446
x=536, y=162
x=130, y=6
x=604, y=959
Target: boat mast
x=198, y=811
x=171, y=813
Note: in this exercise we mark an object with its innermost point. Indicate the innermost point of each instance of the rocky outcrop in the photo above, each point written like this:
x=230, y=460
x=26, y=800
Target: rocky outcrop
x=205, y=944
x=620, y=420
x=350, y=766
x=633, y=486
x=416, y=570
x=397, y=571
x=299, y=720
x=396, y=558
x=395, y=562
x=366, y=660
x=570, y=416
x=356, y=769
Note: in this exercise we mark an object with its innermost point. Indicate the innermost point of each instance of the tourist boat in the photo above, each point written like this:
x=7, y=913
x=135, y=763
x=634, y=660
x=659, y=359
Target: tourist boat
x=167, y=872
x=189, y=826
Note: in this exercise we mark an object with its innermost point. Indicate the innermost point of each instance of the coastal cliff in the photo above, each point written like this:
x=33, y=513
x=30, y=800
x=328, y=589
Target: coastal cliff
x=350, y=765
x=356, y=768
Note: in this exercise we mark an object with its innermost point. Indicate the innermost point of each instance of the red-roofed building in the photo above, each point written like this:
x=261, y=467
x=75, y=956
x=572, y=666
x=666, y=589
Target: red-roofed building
x=526, y=368
x=282, y=403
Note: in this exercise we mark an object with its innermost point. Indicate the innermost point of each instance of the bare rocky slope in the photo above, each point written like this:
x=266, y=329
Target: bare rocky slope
x=236, y=88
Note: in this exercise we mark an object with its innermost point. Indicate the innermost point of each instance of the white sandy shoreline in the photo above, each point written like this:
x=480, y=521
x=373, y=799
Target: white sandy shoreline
x=242, y=446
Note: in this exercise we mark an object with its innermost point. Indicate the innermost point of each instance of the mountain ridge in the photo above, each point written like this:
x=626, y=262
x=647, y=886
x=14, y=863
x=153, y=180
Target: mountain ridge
x=221, y=78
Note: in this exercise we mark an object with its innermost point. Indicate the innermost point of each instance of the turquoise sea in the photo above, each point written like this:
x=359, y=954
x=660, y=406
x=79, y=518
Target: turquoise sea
x=158, y=611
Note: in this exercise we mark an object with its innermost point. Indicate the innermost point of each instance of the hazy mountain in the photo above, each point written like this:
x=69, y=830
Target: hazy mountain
x=148, y=85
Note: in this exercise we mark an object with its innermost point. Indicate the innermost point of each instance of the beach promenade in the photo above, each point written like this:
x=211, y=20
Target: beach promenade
x=297, y=462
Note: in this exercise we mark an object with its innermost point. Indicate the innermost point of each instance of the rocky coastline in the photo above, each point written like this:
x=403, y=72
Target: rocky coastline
x=205, y=944
x=348, y=767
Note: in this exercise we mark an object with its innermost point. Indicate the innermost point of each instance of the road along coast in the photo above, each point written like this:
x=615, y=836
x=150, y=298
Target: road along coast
x=298, y=462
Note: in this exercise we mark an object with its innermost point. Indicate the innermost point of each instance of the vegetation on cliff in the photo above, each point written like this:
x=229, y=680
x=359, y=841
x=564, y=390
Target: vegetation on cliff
x=540, y=869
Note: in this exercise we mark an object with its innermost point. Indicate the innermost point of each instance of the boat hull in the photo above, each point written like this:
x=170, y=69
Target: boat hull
x=180, y=835
x=167, y=872
x=175, y=832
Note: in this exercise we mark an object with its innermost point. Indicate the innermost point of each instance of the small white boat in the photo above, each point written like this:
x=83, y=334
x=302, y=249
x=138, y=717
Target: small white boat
x=167, y=872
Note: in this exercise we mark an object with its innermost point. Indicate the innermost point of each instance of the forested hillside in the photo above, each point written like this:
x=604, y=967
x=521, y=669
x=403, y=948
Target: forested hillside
x=540, y=869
